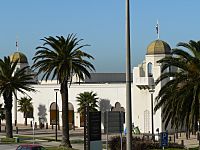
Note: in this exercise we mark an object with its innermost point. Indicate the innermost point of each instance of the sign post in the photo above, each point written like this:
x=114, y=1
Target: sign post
x=113, y=123
x=86, y=126
x=164, y=139
x=107, y=131
x=33, y=131
x=95, y=130
x=121, y=124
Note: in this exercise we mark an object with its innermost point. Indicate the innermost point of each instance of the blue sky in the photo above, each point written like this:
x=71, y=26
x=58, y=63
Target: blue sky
x=101, y=23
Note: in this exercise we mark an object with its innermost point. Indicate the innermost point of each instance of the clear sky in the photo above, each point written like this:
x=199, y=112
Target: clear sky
x=101, y=23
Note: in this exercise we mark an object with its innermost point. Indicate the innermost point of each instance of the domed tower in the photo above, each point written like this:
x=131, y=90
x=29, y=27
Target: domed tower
x=156, y=50
x=144, y=89
x=22, y=62
x=21, y=58
x=158, y=47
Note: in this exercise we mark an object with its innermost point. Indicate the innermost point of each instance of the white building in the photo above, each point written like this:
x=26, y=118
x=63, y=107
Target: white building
x=143, y=85
x=110, y=88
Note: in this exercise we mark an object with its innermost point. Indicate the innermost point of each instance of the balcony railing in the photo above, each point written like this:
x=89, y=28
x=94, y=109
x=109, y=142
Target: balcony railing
x=144, y=82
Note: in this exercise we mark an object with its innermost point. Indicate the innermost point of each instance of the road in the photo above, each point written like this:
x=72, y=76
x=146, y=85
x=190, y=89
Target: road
x=8, y=147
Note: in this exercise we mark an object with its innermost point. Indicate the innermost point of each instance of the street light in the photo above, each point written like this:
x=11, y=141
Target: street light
x=151, y=91
x=56, y=90
x=128, y=81
x=198, y=134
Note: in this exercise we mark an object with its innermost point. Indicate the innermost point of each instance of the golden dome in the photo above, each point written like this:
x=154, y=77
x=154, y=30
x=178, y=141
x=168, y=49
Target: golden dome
x=158, y=47
x=18, y=56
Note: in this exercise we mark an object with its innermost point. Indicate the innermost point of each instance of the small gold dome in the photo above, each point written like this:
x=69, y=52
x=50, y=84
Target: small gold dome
x=158, y=47
x=18, y=56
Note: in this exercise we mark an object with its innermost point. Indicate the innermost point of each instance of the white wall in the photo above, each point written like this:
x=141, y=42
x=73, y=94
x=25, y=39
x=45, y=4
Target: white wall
x=142, y=97
x=45, y=95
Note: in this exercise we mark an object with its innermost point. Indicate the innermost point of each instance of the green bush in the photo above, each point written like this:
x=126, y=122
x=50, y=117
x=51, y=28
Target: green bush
x=7, y=140
x=138, y=144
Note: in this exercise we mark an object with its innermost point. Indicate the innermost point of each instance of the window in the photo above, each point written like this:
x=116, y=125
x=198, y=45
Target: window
x=149, y=69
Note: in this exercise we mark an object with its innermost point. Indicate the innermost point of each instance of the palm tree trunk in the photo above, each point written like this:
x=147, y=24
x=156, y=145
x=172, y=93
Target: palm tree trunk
x=9, y=130
x=65, y=120
x=0, y=125
x=8, y=108
x=25, y=116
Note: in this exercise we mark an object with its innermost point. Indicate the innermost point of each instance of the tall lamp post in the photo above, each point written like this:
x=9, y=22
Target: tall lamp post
x=128, y=81
x=56, y=90
x=151, y=91
x=198, y=135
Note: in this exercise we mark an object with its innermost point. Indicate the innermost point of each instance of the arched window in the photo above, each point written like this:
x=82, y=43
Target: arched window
x=149, y=69
x=71, y=115
x=53, y=114
x=146, y=121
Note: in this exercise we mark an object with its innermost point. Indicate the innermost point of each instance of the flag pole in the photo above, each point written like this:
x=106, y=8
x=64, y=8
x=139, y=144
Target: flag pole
x=158, y=30
x=17, y=48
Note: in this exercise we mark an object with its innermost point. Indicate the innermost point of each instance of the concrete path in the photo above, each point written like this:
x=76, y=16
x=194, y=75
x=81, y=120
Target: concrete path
x=77, y=135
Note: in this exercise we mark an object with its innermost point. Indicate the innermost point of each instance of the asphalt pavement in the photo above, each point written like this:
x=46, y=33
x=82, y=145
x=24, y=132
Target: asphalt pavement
x=8, y=147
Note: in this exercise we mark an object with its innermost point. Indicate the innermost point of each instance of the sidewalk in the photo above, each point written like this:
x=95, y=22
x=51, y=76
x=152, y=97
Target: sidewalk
x=42, y=136
x=192, y=142
x=77, y=137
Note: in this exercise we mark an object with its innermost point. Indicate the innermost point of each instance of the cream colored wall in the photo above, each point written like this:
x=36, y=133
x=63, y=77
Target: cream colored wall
x=140, y=104
x=115, y=92
x=45, y=95
x=142, y=97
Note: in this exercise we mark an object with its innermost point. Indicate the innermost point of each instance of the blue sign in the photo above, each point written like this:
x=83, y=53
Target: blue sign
x=164, y=139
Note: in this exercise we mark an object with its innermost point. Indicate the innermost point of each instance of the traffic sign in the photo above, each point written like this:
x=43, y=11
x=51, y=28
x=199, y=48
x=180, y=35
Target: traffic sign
x=113, y=121
x=164, y=139
x=95, y=126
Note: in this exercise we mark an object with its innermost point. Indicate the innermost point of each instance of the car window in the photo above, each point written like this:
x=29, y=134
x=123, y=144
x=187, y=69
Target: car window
x=19, y=148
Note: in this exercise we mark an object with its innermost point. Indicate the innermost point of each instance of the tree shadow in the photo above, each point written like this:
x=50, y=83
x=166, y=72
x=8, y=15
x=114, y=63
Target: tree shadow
x=104, y=105
x=42, y=113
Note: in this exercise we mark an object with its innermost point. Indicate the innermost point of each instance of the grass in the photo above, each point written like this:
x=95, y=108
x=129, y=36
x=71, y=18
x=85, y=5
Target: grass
x=23, y=140
x=8, y=140
x=49, y=139
x=27, y=139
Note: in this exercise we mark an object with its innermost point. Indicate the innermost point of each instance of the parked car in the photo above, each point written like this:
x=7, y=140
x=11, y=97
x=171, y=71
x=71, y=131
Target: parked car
x=30, y=147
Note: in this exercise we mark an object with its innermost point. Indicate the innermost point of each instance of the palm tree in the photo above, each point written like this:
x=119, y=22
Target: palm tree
x=10, y=82
x=89, y=99
x=25, y=106
x=179, y=98
x=2, y=115
x=87, y=102
x=63, y=59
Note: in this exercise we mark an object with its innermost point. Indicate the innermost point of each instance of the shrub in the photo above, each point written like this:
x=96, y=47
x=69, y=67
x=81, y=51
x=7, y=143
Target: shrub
x=138, y=144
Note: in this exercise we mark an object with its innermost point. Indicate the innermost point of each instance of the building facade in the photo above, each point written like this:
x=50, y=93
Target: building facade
x=110, y=88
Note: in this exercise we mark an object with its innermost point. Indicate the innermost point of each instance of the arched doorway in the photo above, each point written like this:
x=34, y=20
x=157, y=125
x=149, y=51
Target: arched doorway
x=82, y=120
x=53, y=114
x=71, y=115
